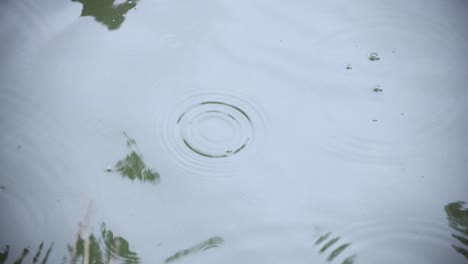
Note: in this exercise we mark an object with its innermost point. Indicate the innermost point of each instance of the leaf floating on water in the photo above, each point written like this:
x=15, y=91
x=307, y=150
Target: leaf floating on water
x=210, y=243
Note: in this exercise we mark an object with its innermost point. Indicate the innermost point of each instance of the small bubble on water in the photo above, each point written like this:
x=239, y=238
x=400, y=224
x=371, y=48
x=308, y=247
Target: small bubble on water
x=374, y=57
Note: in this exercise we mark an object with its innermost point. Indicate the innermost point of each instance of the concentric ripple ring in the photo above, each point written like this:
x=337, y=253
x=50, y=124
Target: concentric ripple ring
x=215, y=129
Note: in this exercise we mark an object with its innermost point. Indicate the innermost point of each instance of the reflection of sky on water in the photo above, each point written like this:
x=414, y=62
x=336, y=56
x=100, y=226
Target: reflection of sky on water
x=68, y=87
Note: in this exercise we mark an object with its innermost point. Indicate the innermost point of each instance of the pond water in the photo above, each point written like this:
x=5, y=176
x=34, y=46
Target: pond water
x=158, y=131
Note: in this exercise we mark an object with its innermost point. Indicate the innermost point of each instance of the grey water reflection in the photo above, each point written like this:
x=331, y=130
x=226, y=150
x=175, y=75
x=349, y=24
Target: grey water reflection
x=133, y=166
x=105, y=248
x=210, y=243
x=457, y=217
x=37, y=258
x=105, y=12
x=328, y=241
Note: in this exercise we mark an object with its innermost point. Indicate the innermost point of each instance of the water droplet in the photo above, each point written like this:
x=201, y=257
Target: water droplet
x=374, y=57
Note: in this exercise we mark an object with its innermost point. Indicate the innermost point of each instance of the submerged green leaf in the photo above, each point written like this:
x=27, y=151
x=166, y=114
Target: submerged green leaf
x=349, y=260
x=322, y=238
x=337, y=251
x=24, y=255
x=101, y=250
x=133, y=167
x=205, y=245
x=4, y=254
x=106, y=12
x=457, y=217
x=329, y=243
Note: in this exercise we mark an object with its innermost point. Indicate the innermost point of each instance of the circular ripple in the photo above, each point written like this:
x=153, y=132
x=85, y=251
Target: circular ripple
x=208, y=131
x=215, y=129
x=411, y=240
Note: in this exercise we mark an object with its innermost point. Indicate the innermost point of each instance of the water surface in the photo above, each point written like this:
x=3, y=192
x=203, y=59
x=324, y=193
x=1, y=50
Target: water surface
x=233, y=131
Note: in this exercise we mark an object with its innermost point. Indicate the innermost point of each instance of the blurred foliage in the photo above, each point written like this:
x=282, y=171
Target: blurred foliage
x=133, y=166
x=105, y=12
x=36, y=259
x=457, y=217
x=210, y=243
x=327, y=241
x=102, y=249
